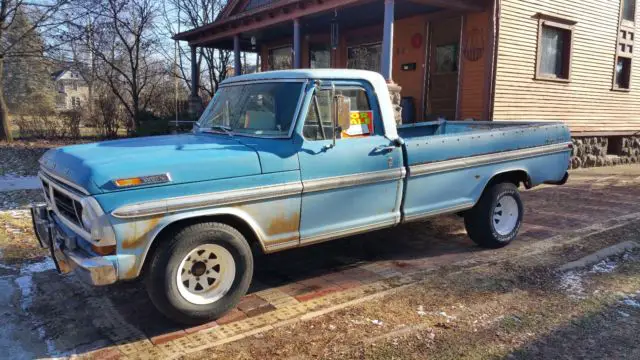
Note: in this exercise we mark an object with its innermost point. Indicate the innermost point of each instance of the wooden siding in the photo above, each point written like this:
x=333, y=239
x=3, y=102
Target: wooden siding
x=587, y=103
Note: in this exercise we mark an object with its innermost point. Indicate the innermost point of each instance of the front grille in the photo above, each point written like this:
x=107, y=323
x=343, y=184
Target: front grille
x=47, y=190
x=68, y=207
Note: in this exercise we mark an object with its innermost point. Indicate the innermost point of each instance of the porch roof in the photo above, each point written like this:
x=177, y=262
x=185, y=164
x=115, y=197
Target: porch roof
x=252, y=17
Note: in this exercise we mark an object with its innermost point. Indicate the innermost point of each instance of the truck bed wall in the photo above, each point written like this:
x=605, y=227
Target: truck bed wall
x=439, y=141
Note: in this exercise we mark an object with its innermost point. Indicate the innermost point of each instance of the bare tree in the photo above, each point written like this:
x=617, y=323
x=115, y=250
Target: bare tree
x=126, y=47
x=213, y=63
x=42, y=16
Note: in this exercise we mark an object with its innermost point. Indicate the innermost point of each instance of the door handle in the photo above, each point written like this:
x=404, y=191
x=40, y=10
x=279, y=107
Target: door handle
x=385, y=148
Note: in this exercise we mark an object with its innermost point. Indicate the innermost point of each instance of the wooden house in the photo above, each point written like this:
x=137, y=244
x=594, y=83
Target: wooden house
x=550, y=60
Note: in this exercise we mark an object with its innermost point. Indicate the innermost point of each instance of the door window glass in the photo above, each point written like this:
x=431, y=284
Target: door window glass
x=356, y=120
x=447, y=58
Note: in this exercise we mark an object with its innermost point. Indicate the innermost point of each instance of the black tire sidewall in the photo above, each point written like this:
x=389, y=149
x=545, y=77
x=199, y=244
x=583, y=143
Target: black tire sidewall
x=165, y=269
x=501, y=191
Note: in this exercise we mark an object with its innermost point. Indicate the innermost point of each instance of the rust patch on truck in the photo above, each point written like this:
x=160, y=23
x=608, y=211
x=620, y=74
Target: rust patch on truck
x=284, y=224
x=141, y=230
x=276, y=219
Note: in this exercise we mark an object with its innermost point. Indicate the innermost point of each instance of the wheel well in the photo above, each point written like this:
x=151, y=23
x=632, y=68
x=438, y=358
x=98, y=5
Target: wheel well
x=231, y=220
x=515, y=177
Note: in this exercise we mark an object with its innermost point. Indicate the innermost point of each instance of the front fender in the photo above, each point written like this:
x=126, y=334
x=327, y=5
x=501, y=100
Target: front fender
x=275, y=224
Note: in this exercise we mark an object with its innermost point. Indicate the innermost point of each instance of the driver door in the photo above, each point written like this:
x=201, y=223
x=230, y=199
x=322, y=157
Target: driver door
x=355, y=185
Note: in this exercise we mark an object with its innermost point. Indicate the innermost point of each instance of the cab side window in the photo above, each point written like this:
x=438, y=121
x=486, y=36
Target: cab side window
x=319, y=121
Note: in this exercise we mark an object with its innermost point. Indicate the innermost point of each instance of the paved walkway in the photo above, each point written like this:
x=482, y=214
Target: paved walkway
x=13, y=183
x=54, y=315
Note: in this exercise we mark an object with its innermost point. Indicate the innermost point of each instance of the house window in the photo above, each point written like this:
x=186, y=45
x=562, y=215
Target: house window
x=555, y=41
x=319, y=56
x=629, y=10
x=625, y=49
x=364, y=57
x=280, y=58
x=623, y=73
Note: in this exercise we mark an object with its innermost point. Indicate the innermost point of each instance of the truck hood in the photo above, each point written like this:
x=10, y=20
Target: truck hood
x=187, y=158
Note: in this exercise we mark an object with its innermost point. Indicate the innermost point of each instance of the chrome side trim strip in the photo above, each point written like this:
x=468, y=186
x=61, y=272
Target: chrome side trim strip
x=352, y=180
x=279, y=247
x=428, y=214
x=63, y=180
x=463, y=163
x=200, y=201
x=347, y=232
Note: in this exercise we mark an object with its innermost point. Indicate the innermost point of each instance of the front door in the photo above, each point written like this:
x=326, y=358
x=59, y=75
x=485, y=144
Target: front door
x=354, y=186
x=444, y=49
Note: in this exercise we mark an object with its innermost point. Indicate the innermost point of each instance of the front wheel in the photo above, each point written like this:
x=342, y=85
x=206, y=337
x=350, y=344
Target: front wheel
x=200, y=272
x=496, y=219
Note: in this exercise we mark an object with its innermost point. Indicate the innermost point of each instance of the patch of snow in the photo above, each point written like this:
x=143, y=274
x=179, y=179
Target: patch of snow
x=377, y=322
x=631, y=302
x=571, y=282
x=38, y=267
x=421, y=311
x=604, y=267
x=623, y=314
x=25, y=283
x=3, y=266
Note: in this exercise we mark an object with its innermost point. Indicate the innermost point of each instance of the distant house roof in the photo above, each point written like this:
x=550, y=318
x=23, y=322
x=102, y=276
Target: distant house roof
x=57, y=74
x=235, y=7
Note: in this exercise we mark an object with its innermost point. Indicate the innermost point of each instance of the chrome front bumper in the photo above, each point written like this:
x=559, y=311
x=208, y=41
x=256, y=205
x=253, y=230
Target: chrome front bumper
x=93, y=270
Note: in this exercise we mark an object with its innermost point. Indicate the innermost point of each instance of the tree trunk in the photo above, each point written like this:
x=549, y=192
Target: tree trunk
x=5, y=128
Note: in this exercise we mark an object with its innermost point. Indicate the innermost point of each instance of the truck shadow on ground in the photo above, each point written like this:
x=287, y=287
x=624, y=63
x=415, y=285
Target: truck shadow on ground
x=78, y=318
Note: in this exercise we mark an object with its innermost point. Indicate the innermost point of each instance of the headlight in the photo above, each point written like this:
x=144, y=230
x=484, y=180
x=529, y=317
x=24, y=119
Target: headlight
x=96, y=223
x=88, y=216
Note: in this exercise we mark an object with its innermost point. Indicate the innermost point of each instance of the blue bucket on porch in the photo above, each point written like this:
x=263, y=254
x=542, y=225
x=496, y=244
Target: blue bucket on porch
x=408, y=110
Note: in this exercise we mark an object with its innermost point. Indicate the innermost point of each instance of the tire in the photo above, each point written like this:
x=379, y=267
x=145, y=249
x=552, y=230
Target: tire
x=487, y=223
x=199, y=253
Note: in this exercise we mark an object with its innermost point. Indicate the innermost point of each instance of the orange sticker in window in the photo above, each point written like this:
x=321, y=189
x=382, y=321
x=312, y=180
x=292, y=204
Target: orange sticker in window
x=361, y=124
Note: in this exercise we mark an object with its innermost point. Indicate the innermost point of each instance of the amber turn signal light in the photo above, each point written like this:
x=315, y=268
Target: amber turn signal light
x=104, y=250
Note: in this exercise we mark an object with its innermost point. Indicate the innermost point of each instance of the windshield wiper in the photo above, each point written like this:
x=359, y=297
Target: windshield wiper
x=220, y=128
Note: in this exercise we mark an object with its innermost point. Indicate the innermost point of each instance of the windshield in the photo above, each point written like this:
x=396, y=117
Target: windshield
x=258, y=109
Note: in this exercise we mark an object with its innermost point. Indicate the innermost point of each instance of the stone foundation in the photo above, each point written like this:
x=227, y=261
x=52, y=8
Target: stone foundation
x=396, y=100
x=605, y=151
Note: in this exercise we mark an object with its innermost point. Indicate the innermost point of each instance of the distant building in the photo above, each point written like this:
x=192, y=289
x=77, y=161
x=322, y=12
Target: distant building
x=248, y=69
x=72, y=91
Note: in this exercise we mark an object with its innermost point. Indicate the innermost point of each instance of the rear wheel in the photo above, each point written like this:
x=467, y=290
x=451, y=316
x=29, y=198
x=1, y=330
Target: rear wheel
x=200, y=272
x=496, y=219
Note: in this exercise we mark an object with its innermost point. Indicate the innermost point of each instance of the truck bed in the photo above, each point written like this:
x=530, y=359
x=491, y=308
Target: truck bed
x=446, y=140
x=450, y=163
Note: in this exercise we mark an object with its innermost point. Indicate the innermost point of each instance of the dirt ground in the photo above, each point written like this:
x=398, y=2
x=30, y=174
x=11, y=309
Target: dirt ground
x=421, y=291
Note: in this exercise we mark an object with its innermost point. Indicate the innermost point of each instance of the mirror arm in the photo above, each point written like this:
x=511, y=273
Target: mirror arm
x=334, y=121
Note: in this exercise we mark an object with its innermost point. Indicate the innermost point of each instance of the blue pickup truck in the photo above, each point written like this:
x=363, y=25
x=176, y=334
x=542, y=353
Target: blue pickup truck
x=279, y=160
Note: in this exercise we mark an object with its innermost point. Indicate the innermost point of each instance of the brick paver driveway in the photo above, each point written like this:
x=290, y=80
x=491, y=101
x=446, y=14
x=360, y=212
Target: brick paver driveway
x=48, y=315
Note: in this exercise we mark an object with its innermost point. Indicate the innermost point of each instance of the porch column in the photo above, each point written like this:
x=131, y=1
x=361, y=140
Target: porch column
x=386, y=62
x=237, y=64
x=195, y=72
x=297, y=46
x=195, y=102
